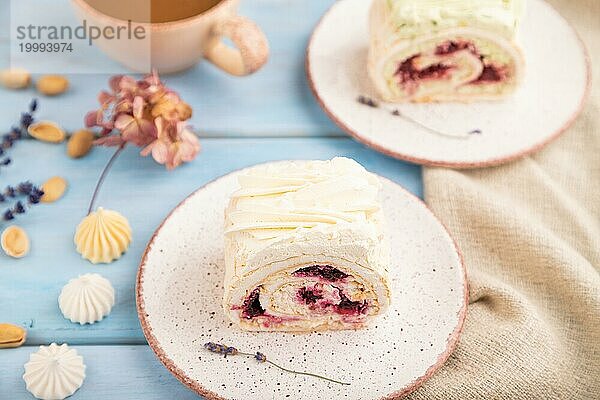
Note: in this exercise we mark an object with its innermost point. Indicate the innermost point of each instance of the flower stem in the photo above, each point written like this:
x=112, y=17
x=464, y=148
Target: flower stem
x=103, y=176
x=296, y=372
x=430, y=129
x=306, y=373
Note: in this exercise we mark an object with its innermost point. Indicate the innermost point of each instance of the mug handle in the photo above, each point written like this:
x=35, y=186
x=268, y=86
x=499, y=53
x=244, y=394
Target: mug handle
x=251, y=49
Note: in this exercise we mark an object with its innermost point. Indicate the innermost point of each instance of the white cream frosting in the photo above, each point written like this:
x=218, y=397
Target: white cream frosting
x=274, y=199
x=54, y=372
x=418, y=15
x=293, y=214
x=87, y=299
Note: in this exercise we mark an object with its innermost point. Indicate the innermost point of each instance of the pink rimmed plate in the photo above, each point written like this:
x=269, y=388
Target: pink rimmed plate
x=552, y=94
x=180, y=286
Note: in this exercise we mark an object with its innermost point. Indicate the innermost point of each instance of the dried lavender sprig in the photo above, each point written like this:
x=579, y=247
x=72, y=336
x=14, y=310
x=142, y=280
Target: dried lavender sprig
x=367, y=101
x=33, y=193
x=260, y=357
x=17, y=132
x=19, y=208
x=25, y=188
x=396, y=112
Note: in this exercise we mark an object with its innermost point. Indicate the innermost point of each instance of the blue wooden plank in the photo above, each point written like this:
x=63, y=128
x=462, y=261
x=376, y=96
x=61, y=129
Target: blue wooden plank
x=276, y=101
x=144, y=192
x=113, y=372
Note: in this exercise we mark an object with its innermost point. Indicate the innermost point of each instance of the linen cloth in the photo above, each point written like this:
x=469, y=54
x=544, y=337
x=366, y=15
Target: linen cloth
x=530, y=235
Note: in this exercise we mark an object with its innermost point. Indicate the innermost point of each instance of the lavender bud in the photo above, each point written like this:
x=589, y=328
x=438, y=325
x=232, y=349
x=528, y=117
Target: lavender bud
x=367, y=101
x=34, y=199
x=26, y=119
x=7, y=143
x=19, y=208
x=230, y=351
x=25, y=187
x=14, y=136
x=210, y=346
x=10, y=191
x=8, y=215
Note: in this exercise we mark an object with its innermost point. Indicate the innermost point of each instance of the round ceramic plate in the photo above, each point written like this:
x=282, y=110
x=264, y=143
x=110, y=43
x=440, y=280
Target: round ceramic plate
x=179, y=298
x=552, y=94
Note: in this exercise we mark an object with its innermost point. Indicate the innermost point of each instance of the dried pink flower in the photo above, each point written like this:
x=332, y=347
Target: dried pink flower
x=174, y=144
x=147, y=114
x=134, y=127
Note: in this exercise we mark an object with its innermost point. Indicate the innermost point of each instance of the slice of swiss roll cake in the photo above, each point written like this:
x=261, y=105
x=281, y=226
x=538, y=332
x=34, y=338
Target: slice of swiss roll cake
x=305, y=248
x=444, y=50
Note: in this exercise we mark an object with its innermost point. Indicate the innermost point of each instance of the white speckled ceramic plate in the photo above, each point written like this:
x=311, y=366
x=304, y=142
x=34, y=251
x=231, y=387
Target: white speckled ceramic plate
x=554, y=89
x=180, y=286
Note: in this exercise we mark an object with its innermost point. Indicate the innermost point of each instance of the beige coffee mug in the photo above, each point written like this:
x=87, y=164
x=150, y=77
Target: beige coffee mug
x=178, y=45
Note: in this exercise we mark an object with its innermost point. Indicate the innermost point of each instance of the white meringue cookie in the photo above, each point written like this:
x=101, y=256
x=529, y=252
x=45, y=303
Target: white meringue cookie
x=54, y=372
x=87, y=299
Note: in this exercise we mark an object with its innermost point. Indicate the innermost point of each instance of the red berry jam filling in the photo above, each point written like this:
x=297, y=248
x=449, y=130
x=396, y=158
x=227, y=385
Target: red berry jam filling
x=407, y=72
x=309, y=296
x=326, y=272
x=251, y=307
x=322, y=295
x=490, y=74
x=452, y=46
x=335, y=300
x=349, y=307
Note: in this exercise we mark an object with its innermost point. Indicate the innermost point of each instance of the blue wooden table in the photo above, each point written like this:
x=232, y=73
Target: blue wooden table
x=268, y=116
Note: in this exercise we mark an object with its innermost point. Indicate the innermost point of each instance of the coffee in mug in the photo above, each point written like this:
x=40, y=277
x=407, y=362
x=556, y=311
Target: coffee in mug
x=154, y=11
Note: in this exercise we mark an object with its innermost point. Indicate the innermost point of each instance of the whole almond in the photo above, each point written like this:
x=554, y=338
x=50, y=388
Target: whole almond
x=15, y=242
x=11, y=336
x=80, y=143
x=47, y=131
x=15, y=78
x=52, y=85
x=53, y=189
